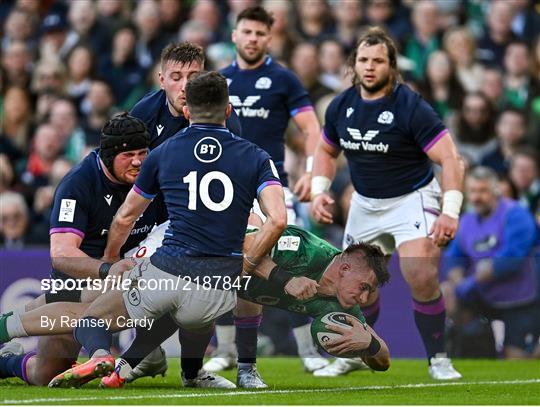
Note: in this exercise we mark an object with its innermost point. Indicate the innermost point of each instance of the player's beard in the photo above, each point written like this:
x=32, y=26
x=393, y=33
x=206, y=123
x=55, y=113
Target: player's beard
x=377, y=86
x=251, y=60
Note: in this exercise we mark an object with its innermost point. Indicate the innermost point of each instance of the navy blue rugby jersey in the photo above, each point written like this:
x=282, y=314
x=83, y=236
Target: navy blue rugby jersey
x=385, y=140
x=208, y=193
x=85, y=203
x=265, y=99
x=153, y=110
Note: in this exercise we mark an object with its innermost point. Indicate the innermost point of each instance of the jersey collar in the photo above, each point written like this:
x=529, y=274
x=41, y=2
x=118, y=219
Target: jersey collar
x=267, y=61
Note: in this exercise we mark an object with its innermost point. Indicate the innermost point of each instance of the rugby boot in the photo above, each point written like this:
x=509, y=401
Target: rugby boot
x=83, y=373
x=208, y=380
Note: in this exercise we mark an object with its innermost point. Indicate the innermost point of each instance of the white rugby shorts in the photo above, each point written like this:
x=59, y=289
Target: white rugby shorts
x=403, y=218
x=192, y=306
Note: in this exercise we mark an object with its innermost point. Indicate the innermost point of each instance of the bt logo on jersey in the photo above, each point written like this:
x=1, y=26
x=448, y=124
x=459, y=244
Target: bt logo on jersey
x=207, y=150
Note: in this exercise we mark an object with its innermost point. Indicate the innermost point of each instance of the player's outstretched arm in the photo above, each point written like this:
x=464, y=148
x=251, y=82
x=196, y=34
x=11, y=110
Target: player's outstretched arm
x=360, y=340
x=445, y=154
x=133, y=207
x=309, y=125
x=324, y=171
x=272, y=205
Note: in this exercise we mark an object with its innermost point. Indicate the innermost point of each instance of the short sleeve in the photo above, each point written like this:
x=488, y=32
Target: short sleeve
x=425, y=126
x=329, y=131
x=267, y=172
x=71, y=207
x=233, y=124
x=147, y=184
x=298, y=100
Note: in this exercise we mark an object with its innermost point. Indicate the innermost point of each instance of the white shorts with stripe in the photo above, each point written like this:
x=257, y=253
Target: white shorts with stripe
x=392, y=221
x=190, y=305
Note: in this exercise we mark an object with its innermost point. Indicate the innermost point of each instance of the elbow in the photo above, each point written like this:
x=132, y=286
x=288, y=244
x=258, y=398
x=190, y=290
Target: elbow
x=280, y=221
x=380, y=365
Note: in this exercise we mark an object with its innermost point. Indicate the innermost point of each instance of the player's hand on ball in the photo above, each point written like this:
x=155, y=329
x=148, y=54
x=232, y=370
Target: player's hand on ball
x=301, y=288
x=302, y=189
x=122, y=266
x=320, y=208
x=443, y=230
x=352, y=341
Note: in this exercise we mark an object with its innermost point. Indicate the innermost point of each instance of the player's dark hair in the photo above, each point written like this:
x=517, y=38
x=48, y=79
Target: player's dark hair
x=207, y=96
x=183, y=52
x=256, y=13
x=374, y=259
x=373, y=36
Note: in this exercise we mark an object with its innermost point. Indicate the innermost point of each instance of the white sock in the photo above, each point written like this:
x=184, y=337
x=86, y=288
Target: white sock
x=226, y=335
x=15, y=327
x=304, y=342
x=101, y=353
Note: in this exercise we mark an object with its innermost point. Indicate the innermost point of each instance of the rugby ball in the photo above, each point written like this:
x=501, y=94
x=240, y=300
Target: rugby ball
x=321, y=335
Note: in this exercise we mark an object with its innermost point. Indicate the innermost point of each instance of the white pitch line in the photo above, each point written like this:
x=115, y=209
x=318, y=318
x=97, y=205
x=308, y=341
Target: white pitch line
x=265, y=392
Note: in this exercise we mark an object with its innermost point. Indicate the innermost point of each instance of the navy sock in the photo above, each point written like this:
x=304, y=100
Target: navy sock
x=14, y=366
x=371, y=312
x=91, y=336
x=226, y=319
x=297, y=320
x=146, y=340
x=194, y=346
x=246, y=338
x=430, y=317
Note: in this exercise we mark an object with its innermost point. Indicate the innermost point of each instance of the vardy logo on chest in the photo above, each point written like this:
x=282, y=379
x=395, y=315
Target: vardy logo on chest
x=243, y=108
x=364, y=142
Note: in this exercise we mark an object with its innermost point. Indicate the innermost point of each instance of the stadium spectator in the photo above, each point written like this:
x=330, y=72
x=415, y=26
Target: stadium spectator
x=7, y=173
x=510, y=130
x=519, y=87
x=526, y=22
x=284, y=38
x=47, y=146
x=524, y=175
x=331, y=61
x=314, y=20
x=121, y=69
x=53, y=34
x=19, y=26
x=17, y=63
x=305, y=63
x=475, y=127
x=85, y=28
x=63, y=117
x=348, y=15
x=150, y=40
x=387, y=14
x=441, y=87
x=491, y=266
x=460, y=45
x=424, y=39
x=16, y=123
x=49, y=75
x=97, y=107
x=491, y=86
x=208, y=13
x=195, y=32
x=16, y=230
x=498, y=34
x=172, y=14
x=81, y=70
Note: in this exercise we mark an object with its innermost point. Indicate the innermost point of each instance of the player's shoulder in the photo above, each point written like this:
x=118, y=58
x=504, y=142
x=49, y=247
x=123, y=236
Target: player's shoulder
x=149, y=105
x=228, y=71
x=346, y=97
x=405, y=97
x=83, y=175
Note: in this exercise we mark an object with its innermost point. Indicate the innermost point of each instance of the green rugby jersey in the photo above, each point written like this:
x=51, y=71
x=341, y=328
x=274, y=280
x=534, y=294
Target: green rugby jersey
x=302, y=254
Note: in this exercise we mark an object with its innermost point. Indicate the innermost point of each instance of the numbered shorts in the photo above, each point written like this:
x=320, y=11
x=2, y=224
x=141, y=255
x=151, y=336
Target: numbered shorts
x=289, y=204
x=189, y=304
x=403, y=218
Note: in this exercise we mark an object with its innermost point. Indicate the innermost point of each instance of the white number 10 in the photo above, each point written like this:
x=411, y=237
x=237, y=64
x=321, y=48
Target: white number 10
x=191, y=180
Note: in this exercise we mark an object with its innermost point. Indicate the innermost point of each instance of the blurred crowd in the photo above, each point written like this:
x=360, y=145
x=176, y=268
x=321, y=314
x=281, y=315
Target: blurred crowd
x=67, y=66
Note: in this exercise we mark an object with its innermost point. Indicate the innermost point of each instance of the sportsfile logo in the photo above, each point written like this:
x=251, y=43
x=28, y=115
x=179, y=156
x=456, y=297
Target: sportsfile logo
x=243, y=108
x=364, y=141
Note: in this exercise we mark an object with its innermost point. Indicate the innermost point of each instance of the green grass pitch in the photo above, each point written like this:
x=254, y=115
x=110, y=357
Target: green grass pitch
x=407, y=382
